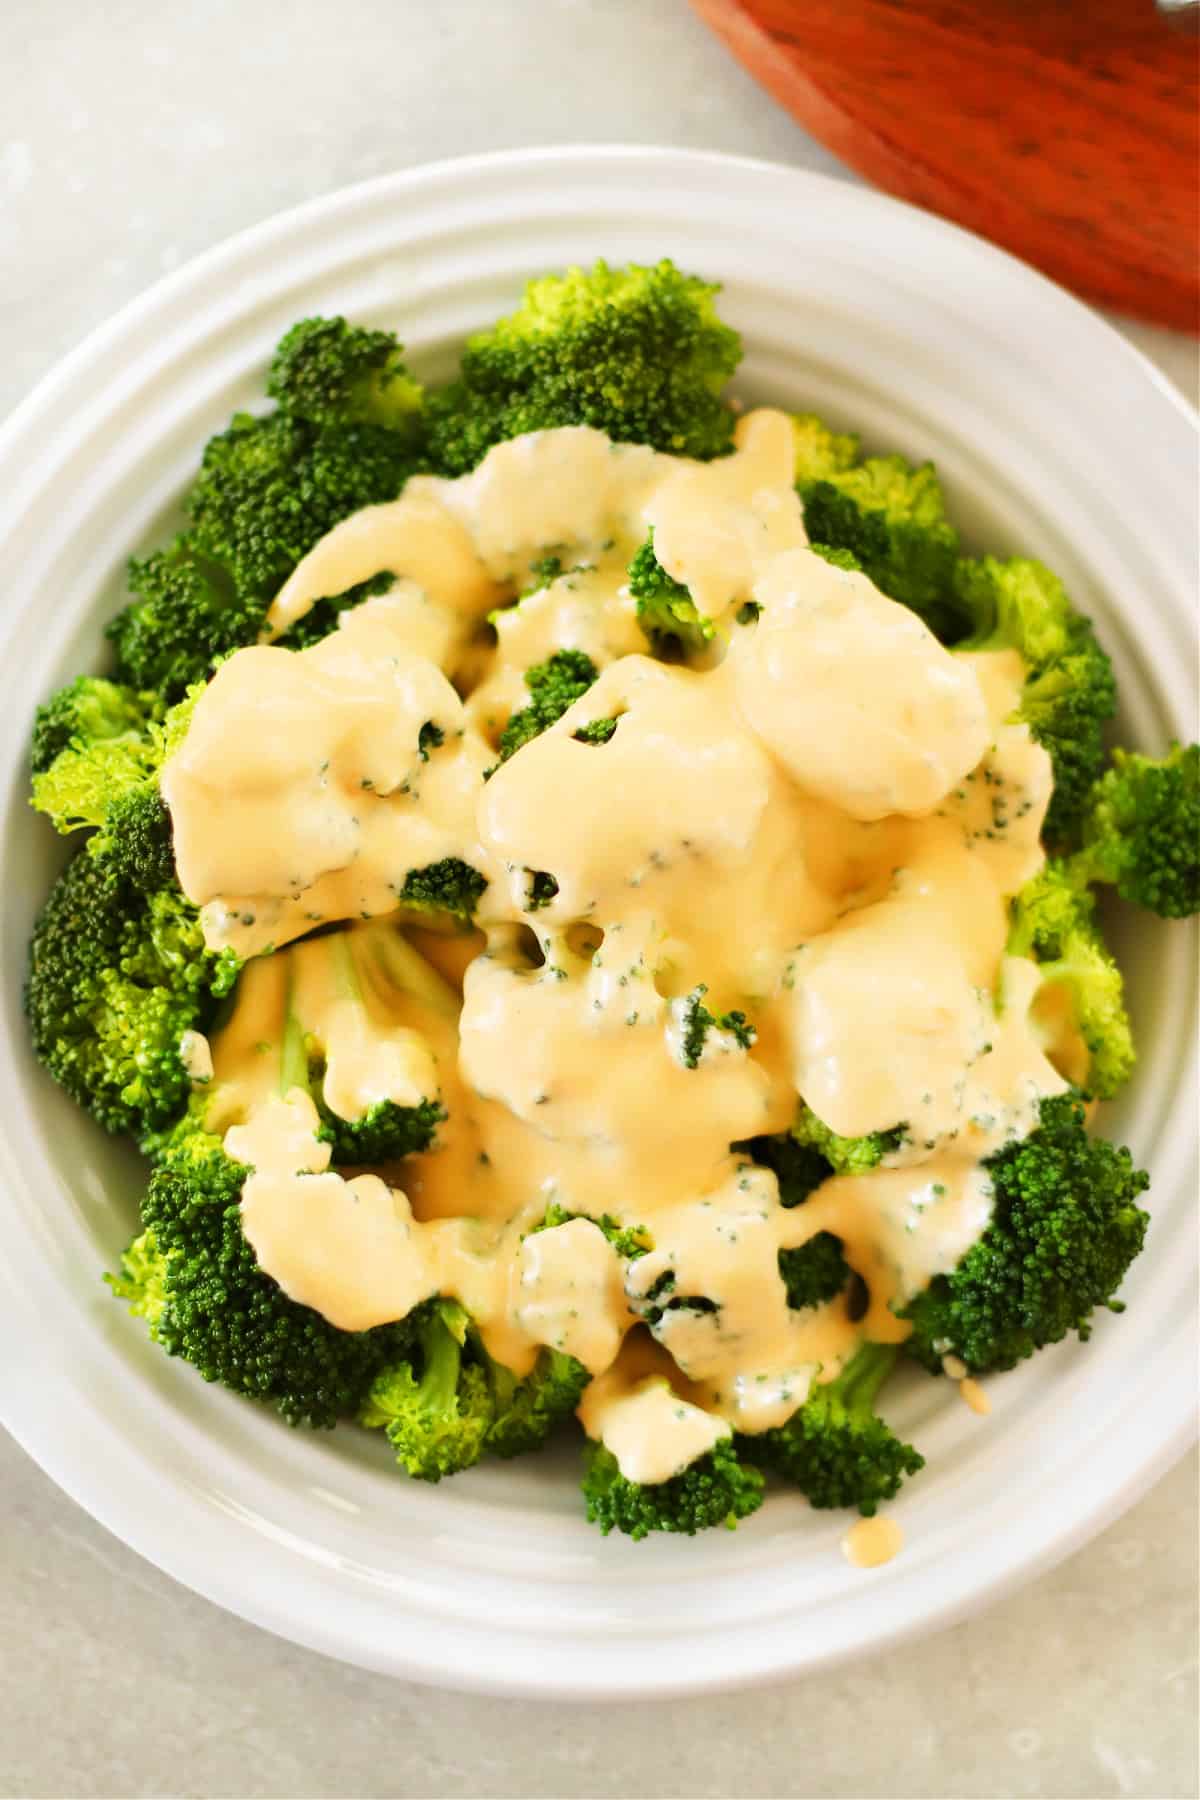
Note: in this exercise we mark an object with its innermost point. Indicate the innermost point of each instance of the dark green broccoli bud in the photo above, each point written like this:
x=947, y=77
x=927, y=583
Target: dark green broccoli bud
x=194, y=1278
x=718, y=1489
x=1141, y=831
x=450, y=886
x=629, y=1241
x=333, y=373
x=695, y=1023
x=268, y=489
x=323, y=615
x=1053, y=920
x=87, y=711
x=814, y=1272
x=846, y=1156
x=666, y=611
x=1069, y=692
x=436, y=1407
x=889, y=515
x=526, y=1411
x=385, y=1133
x=137, y=840
x=598, y=732
x=835, y=1447
x=1063, y=1231
x=636, y=352
x=798, y=1166
x=541, y=889
x=553, y=685
x=116, y=976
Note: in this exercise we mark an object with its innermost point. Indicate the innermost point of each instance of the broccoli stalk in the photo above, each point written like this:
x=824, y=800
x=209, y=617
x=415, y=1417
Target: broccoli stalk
x=835, y=1448
x=1064, y=1229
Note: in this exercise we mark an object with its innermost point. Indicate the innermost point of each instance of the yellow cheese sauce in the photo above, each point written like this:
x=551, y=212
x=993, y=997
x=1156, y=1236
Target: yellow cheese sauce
x=819, y=827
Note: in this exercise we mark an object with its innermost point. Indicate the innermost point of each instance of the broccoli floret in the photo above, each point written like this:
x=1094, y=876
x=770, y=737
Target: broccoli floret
x=1141, y=831
x=194, y=1278
x=334, y=373
x=87, y=711
x=597, y=732
x=696, y=1021
x=835, y=1447
x=1069, y=692
x=1053, y=920
x=323, y=615
x=816, y=1271
x=666, y=611
x=629, y=1241
x=436, y=1407
x=845, y=1156
x=889, y=515
x=718, y=1489
x=1064, y=1229
x=526, y=1411
x=450, y=887
x=553, y=685
x=115, y=977
x=268, y=488
x=636, y=352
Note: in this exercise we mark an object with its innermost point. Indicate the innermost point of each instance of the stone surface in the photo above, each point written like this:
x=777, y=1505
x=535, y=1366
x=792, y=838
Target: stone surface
x=133, y=135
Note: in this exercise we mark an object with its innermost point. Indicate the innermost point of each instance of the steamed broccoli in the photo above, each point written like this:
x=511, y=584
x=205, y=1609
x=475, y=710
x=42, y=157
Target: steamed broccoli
x=449, y=1403
x=89, y=711
x=1064, y=1229
x=845, y=1156
x=629, y=1241
x=450, y=887
x=889, y=515
x=666, y=611
x=332, y=373
x=1053, y=920
x=1141, y=831
x=816, y=1271
x=554, y=685
x=637, y=352
x=343, y=437
x=116, y=976
x=718, y=1489
x=1069, y=692
x=834, y=1447
x=194, y=1278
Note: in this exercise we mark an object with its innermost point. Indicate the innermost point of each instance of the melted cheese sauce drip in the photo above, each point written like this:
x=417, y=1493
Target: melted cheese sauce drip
x=819, y=829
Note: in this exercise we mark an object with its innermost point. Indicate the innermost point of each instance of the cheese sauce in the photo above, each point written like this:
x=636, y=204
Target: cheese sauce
x=817, y=831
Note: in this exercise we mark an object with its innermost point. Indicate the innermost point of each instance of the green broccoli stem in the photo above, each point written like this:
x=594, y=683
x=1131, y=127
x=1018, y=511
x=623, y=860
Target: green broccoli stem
x=440, y=1339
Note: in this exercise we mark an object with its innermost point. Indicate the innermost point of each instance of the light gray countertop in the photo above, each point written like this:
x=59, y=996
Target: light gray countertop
x=132, y=136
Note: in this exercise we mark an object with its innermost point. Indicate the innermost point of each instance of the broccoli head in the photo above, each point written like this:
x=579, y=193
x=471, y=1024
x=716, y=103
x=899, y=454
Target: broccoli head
x=629, y=1241
x=816, y=1271
x=88, y=711
x=450, y=887
x=116, y=976
x=835, y=1448
x=636, y=352
x=889, y=515
x=527, y=1410
x=845, y=1156
x=1064, y=1229
x=194, y=1278
x=1053, y=920
x=717, y=1489
x=1141, y=831
x=333, y=373
x=1069, y=692
x=666, y=611
x=553, y=685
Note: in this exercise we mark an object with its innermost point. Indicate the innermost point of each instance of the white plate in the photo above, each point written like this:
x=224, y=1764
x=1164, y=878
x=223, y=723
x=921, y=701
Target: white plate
x=1054, y=438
